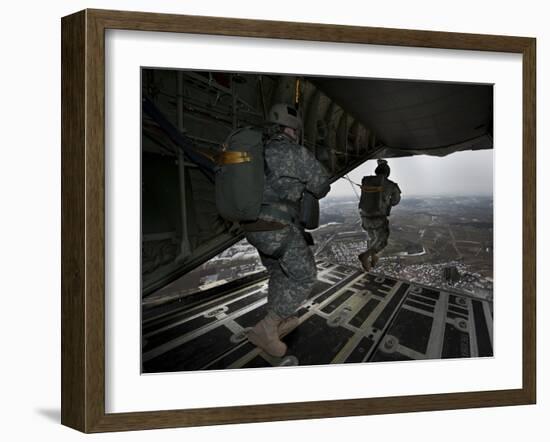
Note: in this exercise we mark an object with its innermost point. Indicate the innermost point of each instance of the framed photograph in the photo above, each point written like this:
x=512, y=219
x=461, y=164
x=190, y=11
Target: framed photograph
x=268, y=220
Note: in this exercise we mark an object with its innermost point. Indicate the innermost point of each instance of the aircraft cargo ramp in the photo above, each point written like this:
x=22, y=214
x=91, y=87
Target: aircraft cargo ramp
x=350, y=317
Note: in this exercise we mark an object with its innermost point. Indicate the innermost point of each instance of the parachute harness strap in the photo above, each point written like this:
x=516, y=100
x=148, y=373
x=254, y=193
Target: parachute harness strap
x=233, y=157
x=372, y=189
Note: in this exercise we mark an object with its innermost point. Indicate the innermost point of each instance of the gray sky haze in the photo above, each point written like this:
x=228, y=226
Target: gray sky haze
x=458, y=174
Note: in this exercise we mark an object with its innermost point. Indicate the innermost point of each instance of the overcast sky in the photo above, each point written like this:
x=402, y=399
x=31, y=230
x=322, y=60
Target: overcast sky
x=461, y=173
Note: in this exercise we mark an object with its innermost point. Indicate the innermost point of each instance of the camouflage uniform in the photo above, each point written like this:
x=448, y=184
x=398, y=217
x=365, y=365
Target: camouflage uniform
x=291, y=169
x=377, y=227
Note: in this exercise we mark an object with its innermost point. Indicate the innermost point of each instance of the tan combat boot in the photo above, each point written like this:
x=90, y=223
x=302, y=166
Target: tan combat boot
x=265, y=335
x=364, y=258
x=288, y=324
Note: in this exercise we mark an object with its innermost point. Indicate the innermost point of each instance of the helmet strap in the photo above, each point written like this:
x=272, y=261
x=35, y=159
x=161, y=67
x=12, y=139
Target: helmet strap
x=291, y=133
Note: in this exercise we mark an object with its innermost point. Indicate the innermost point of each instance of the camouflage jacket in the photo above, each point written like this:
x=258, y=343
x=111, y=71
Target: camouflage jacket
x=291, y=169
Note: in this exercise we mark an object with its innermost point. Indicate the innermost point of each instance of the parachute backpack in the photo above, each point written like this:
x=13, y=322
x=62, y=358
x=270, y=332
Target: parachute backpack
x=372, y=196
x=239, y=178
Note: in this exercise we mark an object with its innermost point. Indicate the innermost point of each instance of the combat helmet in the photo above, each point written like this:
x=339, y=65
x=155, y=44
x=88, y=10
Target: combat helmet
x=383, y=168
x=285, y=115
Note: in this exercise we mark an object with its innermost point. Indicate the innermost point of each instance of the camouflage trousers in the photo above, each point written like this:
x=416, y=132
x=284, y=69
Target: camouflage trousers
x=291, y=267
x=378, y=231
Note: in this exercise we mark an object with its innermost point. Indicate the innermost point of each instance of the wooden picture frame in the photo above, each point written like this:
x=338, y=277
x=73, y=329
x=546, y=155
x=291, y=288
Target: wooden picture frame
x=83, y=220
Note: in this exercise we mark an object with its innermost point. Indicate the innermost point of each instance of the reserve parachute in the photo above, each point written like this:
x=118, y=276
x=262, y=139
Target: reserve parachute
x=239, y=180
x=372, y=196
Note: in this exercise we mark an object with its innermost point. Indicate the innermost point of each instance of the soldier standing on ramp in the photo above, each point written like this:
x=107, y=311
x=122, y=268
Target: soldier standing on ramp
x=378, y=196
x=290, y=171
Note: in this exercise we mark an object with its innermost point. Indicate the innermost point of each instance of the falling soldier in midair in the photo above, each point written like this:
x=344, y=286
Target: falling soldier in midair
x=378, y=196
x=290, y=171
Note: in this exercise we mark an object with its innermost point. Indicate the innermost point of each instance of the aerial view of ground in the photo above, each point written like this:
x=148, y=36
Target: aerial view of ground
x=439, y=241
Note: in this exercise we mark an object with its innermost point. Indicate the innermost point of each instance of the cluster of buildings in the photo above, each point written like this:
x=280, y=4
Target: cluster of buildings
x=343, y=248
x=450, y=275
